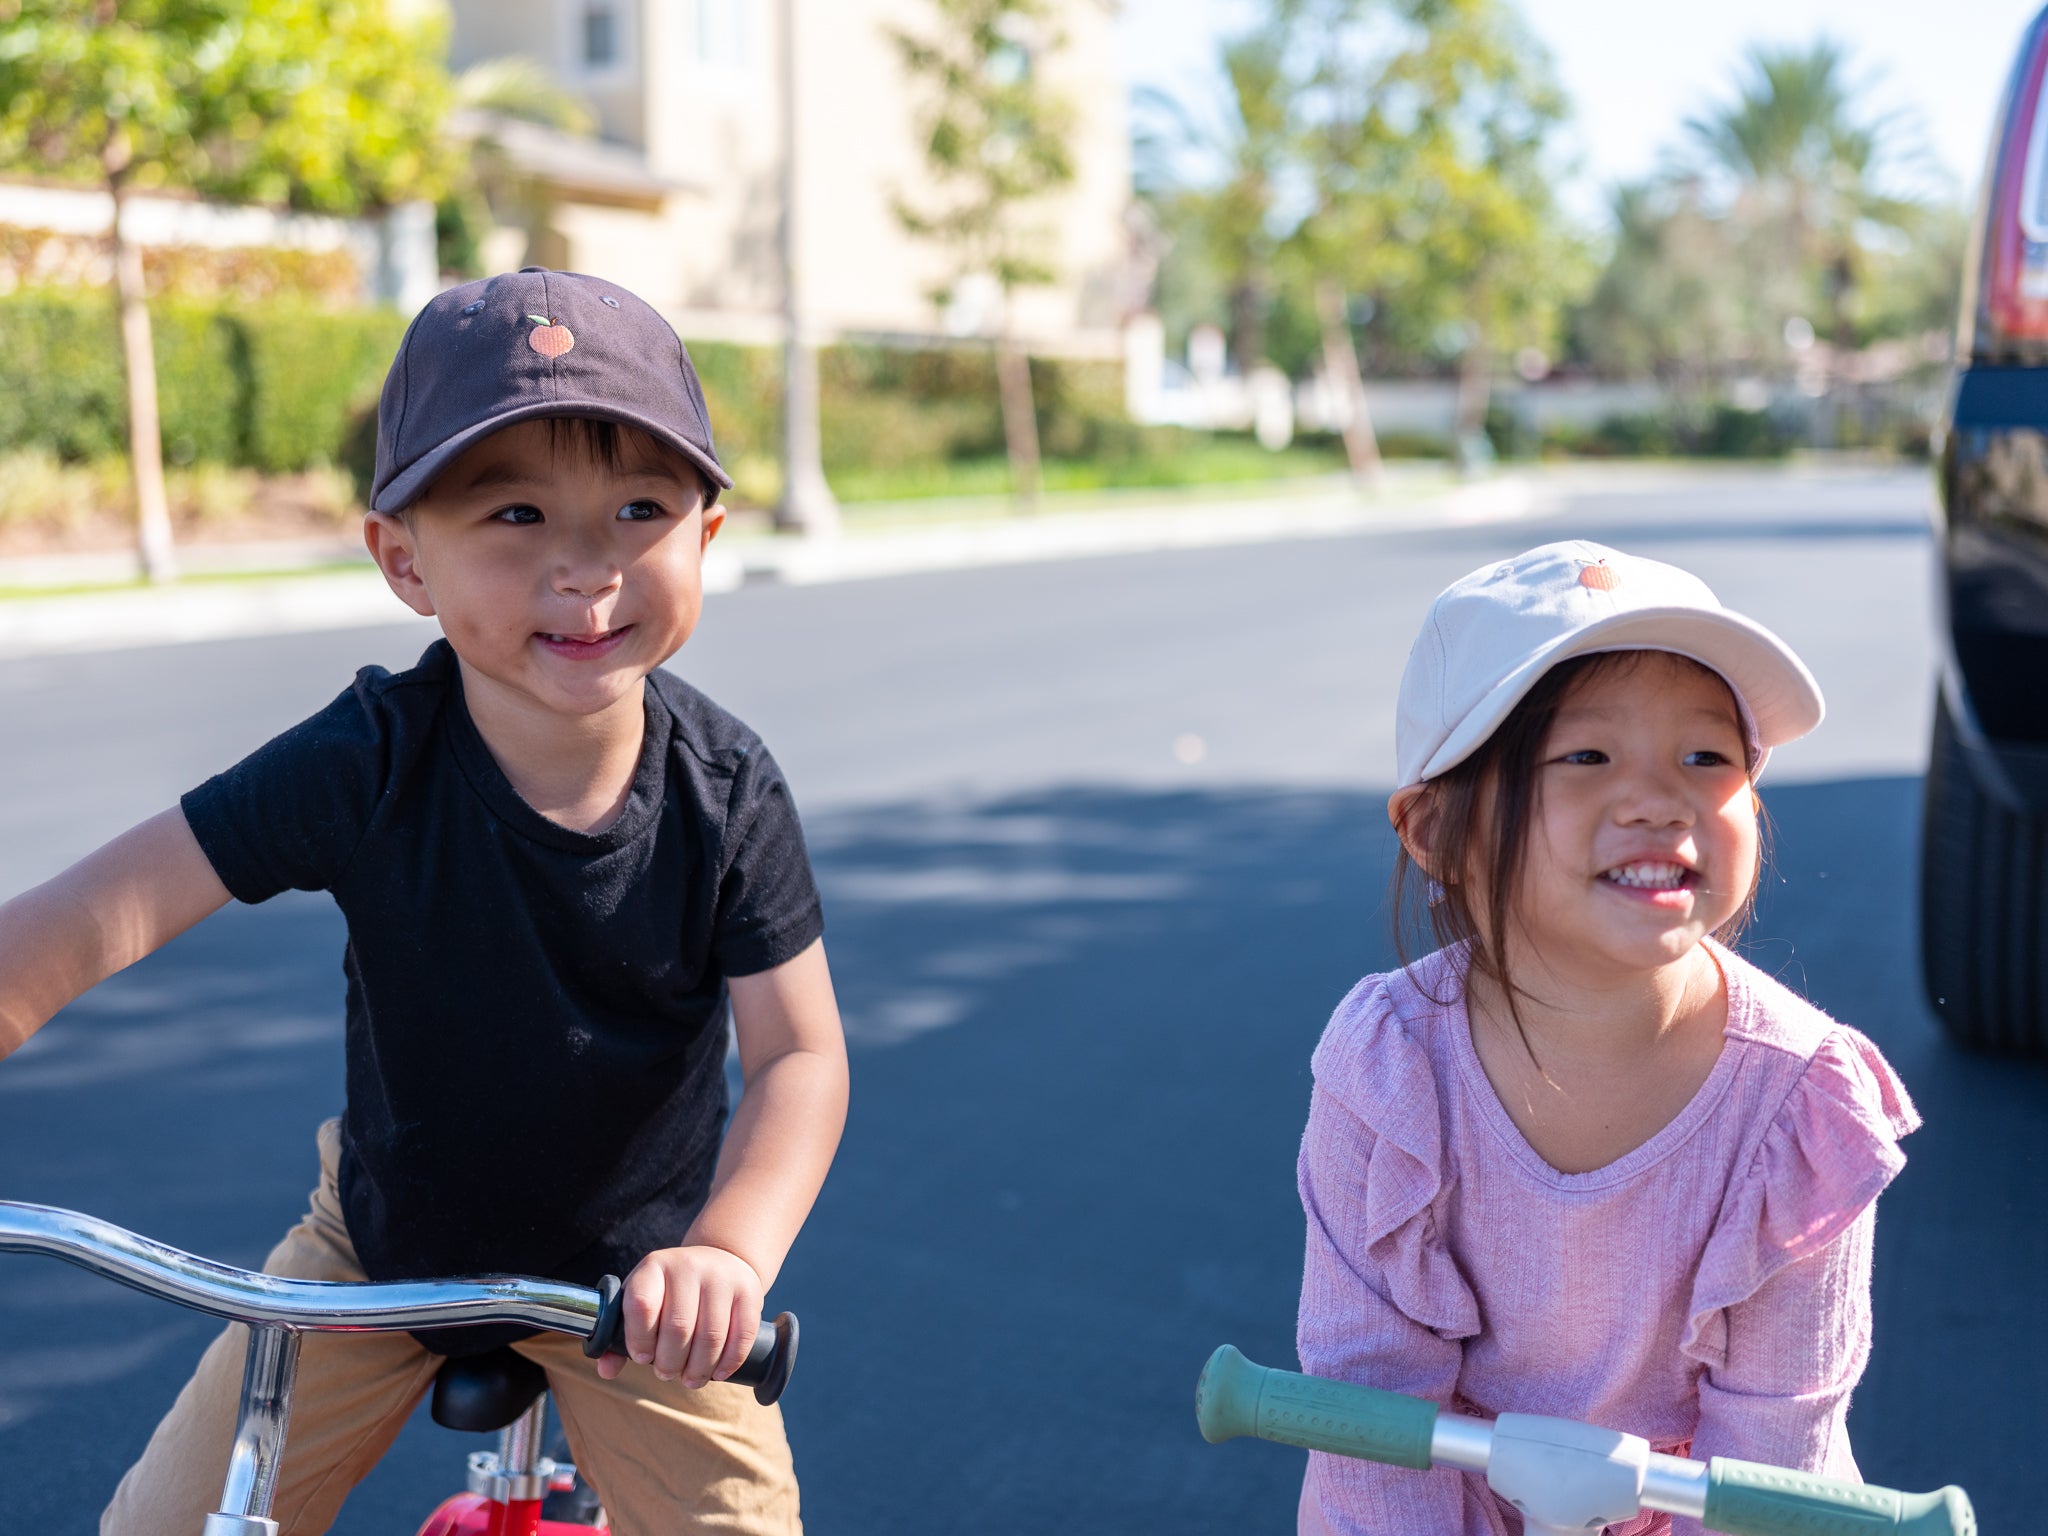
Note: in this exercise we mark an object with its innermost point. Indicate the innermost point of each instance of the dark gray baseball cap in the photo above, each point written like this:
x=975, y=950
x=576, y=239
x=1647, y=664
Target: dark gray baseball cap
x=529, y=344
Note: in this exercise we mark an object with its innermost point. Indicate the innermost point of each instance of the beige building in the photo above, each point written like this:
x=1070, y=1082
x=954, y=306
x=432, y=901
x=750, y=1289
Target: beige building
x=681, y=196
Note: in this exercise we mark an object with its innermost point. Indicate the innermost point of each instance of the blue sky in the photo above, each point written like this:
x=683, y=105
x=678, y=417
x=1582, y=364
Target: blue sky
x=1636, y=69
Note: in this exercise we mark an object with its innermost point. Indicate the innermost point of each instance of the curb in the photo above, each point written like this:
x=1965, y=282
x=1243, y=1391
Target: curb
x=358, y=598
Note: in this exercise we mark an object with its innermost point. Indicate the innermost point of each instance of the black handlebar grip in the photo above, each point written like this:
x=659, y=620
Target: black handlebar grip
x=768, y=1364
x=766, y=1368
x=605, y=1333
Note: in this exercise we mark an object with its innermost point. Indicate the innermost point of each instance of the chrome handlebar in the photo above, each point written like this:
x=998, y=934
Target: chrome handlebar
x=297, y=1306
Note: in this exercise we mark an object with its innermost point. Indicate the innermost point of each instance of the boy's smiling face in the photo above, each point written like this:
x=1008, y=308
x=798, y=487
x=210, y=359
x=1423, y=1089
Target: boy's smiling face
x=559, y=578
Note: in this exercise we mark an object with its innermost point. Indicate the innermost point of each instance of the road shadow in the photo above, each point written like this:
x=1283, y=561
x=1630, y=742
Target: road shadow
x=1081, y=1024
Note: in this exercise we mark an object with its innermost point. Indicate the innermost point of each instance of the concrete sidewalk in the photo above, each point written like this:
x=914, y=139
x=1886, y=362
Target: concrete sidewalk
x=280, y=588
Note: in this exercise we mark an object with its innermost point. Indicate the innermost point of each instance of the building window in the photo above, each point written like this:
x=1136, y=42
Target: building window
x=722, y=33
x=600, y=36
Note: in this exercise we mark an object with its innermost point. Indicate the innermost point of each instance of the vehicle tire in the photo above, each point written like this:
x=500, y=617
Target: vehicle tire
x=1983, y=906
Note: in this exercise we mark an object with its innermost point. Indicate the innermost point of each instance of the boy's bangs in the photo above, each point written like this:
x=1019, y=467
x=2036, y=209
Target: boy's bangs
x=617, y=447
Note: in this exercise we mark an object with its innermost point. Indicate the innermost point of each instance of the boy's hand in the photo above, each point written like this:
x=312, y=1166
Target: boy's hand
x=689, y=1312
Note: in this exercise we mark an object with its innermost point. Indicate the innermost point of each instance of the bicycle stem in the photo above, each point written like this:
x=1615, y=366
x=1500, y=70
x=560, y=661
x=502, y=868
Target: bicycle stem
x=268, y=1372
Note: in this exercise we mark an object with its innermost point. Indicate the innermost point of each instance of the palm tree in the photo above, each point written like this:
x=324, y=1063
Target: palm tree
x=1809, y=168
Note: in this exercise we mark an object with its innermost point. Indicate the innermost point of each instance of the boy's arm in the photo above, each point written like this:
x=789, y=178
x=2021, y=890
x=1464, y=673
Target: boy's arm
x=105, y=912
x=693, y=1311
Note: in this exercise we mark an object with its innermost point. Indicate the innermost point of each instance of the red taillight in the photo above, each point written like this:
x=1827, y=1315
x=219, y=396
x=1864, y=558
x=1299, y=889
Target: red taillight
x=2015, y=273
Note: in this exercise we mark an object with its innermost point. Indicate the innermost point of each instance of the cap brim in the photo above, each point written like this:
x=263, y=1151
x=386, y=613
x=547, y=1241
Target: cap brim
x=407, y=485
x=1771, y=684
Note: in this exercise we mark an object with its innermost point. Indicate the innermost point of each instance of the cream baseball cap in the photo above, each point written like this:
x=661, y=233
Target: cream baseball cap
x=1491, y=636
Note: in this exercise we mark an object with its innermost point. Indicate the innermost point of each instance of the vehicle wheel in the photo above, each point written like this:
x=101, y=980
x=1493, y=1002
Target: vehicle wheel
x=1983, y=906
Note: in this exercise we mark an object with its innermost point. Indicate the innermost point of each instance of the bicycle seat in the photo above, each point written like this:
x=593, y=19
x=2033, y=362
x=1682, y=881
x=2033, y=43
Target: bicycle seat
x=487, y=1391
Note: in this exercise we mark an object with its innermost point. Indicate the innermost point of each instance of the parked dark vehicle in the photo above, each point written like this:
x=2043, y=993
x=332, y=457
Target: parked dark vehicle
x=1984, y=848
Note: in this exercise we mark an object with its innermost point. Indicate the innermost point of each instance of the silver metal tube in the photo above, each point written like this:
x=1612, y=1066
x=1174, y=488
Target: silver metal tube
x=1461, y=1442
x=1675, y=1485
x=267, y=1375
x=300, y=1305
x=519, y=1449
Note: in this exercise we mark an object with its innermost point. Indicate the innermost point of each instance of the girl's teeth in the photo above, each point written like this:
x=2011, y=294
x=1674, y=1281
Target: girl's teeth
x=1649, y=876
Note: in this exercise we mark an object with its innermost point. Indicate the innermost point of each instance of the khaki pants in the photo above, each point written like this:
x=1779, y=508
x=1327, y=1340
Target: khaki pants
x=663, y=1458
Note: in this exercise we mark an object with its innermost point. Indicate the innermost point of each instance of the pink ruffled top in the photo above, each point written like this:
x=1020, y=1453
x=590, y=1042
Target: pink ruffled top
x=1709, y=1291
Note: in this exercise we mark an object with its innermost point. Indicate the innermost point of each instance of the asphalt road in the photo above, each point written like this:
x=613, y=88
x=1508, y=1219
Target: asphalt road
x=1101, y=843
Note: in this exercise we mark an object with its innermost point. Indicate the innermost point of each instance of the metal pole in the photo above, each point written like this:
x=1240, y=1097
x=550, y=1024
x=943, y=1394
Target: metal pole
x=808, y=505
x=267, y=1374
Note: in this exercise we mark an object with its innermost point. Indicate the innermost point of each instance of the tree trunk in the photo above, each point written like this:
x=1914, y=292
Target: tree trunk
x=145, y=436
x=1475, y=388
x=1340, y=364
x=1247, y=327
x=1020, y=420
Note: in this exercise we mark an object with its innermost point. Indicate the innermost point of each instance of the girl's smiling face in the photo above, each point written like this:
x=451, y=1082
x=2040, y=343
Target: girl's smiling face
x=1643, y=838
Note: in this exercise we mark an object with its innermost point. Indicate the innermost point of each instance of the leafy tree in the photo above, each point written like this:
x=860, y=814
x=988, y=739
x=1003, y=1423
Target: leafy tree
x=1791, y=198
x=326, y=105
x=1665, y=304
x=1430, y=129
x=1909, y=288
x=1229, y=224
x=1383, y=158
x=996, y=143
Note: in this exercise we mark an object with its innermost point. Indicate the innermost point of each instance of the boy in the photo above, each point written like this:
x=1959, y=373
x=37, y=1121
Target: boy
x=556, y=864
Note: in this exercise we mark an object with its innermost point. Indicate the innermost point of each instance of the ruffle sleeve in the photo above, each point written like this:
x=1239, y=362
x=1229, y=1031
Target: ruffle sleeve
x=1829, y=1151
x=1373, y=1067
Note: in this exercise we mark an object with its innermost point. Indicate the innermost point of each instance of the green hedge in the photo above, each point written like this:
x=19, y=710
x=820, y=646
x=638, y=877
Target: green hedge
x=286, y=385
x=1720, y=431
x=885, y=409
x=275, y=387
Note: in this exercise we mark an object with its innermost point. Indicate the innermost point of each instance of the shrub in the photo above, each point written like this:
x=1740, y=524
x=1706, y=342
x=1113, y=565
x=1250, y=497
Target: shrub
x=287, y=385
x=306, y=374
x=743, y=390
x=40, y=491
x=272, y=387
x=1731, y=432
x=1402, y=443
x=65, y=357
x=199, y=400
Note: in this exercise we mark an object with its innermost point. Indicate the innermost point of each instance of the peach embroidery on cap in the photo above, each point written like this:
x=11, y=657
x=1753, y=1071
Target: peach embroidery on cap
x=552, y=339
x=1599, y=576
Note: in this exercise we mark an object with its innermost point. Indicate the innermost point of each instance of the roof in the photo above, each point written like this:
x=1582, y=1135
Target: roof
x=574, y=165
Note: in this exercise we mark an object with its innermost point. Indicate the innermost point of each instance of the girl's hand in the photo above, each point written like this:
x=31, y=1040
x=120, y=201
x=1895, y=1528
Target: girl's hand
x=690, y=1313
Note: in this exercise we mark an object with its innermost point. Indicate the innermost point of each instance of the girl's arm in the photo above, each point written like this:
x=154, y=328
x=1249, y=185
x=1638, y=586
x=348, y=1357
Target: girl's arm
x=693, y=1311
x=1795, y=1350
x=1350, y=1330
x=102, y=914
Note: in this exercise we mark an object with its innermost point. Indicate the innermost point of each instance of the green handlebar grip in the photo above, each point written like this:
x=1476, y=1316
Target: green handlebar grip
x=1236, y=1397
x=1746, y=1499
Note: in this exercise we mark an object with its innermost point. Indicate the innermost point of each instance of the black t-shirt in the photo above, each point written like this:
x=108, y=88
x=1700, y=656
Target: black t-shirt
x=535, y=1041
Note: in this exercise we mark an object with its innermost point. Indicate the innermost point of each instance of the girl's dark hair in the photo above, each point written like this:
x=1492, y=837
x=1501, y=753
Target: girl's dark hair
x=1488, y=852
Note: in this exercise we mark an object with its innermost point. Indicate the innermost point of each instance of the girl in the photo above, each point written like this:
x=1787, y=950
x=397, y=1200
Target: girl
x=1583, y=1160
